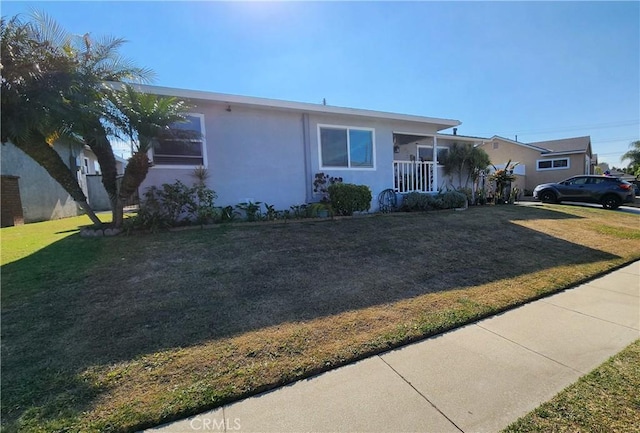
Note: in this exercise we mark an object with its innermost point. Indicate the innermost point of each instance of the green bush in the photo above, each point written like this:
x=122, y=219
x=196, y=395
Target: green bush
x=416, y=201
x=453, y=199
x=347, y=198
x=174, y=204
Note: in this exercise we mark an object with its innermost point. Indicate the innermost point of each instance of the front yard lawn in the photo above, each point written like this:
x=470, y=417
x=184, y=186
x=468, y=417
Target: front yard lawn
x=118, y=334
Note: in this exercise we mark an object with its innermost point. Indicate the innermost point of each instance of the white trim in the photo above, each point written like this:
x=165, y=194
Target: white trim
x=205, y=162
x=538, y=161
x=348, y=167
x=567, y=152
x=286, y=105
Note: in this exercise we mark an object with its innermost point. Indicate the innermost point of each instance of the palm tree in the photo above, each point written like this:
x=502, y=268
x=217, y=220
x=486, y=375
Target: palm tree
x=100, y=62
x=35, y=76
x=466, y=160
x=634, y=156
x=142, y=118
x=53, y=85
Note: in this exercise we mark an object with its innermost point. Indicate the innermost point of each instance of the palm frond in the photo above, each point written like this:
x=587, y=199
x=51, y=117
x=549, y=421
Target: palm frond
x=46, y=29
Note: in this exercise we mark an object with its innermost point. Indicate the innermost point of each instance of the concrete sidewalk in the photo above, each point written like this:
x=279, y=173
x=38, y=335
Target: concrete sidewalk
x=478, y=378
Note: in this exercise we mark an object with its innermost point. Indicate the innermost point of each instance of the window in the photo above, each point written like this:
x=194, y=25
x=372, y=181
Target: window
x=578, y=181
x=345, y=147
x=552, y=164
x=183, y=145
x=425, y=153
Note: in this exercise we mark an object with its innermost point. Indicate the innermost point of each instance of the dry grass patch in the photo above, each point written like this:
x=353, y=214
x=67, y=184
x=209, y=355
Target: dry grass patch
x=136, y=331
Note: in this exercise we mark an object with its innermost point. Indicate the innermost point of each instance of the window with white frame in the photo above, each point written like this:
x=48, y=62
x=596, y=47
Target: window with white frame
x=183, y=145
x=425, y=153
x=346, y=147
x=552, y=164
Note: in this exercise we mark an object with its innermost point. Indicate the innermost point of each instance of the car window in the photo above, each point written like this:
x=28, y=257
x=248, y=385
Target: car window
x=596, y=180
x=577, y=181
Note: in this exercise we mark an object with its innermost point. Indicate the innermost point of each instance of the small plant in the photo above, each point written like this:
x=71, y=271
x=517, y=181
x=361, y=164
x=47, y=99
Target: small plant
x=251, y=210
x=347, y=198
x=226, y=214
x=299, y=211
x=271, y=214
x=201, y=205
x=321, y=184
x=201, y=174
x=321, y=210
x=503, y=177
x=482, y=197
x=284, y=214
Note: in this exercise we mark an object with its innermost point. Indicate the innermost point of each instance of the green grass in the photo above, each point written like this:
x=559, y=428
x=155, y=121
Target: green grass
x=117, y=334
x=605, y=400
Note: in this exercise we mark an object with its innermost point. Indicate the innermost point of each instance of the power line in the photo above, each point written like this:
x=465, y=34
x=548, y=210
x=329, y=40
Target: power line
x=615, y=139
x=570, y=128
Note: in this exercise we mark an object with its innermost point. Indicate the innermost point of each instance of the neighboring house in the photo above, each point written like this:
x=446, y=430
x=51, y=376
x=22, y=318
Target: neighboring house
x=543, y=161
x=268, y=150
x=29, y=194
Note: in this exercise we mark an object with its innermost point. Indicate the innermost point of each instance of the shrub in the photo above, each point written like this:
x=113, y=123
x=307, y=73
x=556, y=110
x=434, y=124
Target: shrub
x=453, y=199
x=174, y=204
x=201, y=204
x=347, y=198
x=416, y=201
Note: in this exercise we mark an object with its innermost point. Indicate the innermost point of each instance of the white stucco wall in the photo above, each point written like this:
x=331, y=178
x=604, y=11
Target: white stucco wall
x=251, y=154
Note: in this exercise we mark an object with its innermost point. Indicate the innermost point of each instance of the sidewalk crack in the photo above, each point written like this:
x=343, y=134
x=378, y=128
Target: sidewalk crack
x=531, y=350
x=421, y=394
x=588, y=315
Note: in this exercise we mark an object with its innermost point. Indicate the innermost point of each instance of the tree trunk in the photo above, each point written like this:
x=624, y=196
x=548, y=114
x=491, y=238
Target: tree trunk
x=96, y=138
x=134, y=175
x=117, y=211
x=50, y=160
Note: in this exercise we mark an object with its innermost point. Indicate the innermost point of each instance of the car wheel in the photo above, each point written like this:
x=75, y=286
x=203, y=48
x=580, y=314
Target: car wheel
x=548, y=197
x=611, y=202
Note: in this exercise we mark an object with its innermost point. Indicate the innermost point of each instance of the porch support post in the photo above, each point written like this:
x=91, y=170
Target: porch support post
x=434, y=187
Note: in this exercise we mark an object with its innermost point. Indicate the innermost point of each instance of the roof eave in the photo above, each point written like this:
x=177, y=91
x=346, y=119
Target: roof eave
x=223, y=98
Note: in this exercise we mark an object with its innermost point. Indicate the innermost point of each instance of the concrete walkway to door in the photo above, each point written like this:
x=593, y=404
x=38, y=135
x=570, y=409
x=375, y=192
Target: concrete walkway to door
x=478, y=378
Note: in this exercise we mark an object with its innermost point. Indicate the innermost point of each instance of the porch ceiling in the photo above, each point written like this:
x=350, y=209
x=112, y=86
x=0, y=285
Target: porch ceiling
x=401, y=139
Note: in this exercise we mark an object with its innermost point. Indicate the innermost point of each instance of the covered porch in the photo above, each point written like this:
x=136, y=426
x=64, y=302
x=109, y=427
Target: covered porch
x=415, y=164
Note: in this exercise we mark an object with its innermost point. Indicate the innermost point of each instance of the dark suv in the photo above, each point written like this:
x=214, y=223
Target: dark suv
x=609, y=191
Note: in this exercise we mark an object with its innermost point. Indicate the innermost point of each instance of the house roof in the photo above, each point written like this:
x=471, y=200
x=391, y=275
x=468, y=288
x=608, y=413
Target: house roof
x=304, y=107
x=565, y=145
x=518, y=143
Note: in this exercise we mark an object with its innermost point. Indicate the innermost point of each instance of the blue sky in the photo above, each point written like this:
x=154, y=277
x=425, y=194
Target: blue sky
x=541, y=70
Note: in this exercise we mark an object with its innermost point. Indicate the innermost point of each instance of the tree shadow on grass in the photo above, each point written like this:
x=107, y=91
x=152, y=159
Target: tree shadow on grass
x=85, y=302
